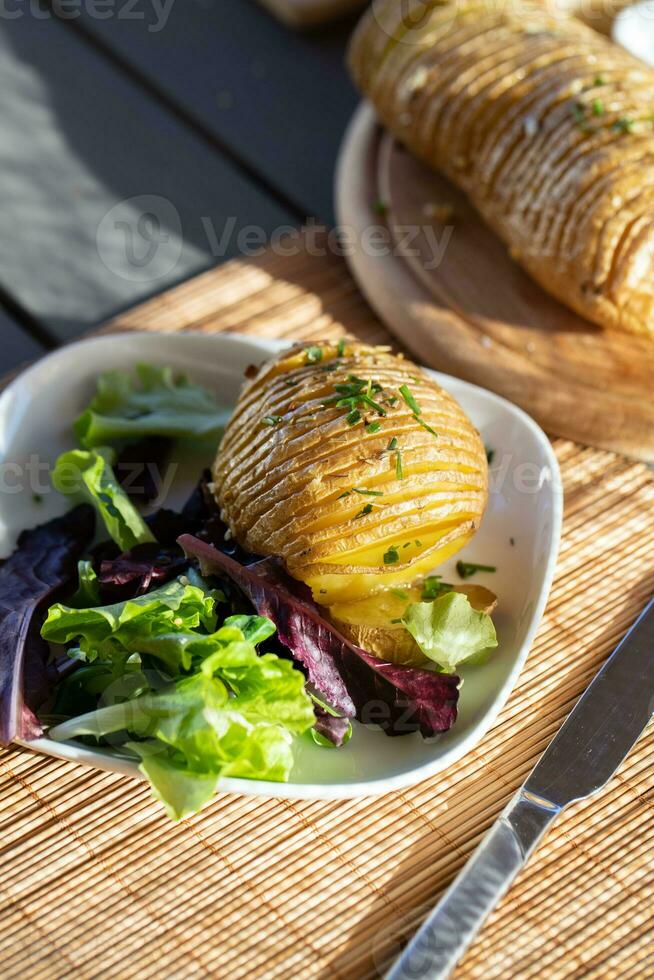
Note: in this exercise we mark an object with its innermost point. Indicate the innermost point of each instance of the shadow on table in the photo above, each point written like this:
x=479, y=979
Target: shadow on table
x=108, y=197
x=306, y=287
x=395, y=914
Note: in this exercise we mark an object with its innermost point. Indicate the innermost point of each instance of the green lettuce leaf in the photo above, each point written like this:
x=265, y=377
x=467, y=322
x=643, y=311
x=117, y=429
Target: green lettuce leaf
x=264, y=687
x=79, y=692
x=88, y=589
x=88, y=476
x=188, y=650
x=182, y=791
x=235, y=748
x=158, y=403
x=233, y=717
x=449, y=631
x=107, y=631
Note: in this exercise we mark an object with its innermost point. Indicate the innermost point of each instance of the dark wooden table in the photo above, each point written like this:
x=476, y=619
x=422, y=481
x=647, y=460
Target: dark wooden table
x=147, y=140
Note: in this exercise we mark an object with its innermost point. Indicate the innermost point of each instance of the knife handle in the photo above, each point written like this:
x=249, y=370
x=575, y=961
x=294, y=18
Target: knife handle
x=448, y=931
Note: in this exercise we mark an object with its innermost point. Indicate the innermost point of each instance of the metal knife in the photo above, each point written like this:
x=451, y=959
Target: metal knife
x=583, y=756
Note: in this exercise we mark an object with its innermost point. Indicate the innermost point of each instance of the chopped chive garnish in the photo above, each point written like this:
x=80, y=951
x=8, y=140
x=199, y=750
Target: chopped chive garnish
x=362, y=513
x=392, y=401
x=368, y=493
x=356, y=388
x=599, y=80
x=432, y=587
x=418, y=543
x=399, y=472
x=355, y=395
x=330, y=367
x=490, y=455
x=407, y=545
x=292, y=382
x=427, y=427
x=392, y=556
x=313, y=355
x=623, y=125
x=394, y=621
x=340, y=350
x=392, y=445
x=271, y=420
x=400, y=593
x=466, y=569
x=598, y=107
x=373, y=404
x=410, y=400
x=346, y=493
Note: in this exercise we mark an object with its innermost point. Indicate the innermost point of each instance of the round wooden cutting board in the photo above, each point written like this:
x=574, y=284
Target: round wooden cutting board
x=447, y=287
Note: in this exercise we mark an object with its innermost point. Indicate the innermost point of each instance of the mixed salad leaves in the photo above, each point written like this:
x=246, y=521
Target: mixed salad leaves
x=167, y=644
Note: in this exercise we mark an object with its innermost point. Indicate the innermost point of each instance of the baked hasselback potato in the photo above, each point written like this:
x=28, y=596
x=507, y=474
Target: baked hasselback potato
x=359, y=471
x=545, y=124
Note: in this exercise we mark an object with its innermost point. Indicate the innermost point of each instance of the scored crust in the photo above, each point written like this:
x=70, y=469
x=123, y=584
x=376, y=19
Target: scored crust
x=353, y=508
x=545, y=124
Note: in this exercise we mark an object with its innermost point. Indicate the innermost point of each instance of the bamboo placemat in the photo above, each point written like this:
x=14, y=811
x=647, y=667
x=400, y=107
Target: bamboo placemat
x=96, y=882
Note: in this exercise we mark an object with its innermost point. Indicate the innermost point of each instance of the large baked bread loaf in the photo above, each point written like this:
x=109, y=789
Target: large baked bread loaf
x=545, y=124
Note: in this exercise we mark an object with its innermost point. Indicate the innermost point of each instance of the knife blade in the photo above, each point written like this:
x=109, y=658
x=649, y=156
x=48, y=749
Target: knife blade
x=589, y=747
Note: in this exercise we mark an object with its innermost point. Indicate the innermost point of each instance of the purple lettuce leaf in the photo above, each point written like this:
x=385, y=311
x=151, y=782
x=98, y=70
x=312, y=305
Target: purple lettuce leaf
x=199, y=516
x=202, y=516
x=43, y=565
x=137, y=466
x=135, y=572
x=332, y=727
x=398, y=699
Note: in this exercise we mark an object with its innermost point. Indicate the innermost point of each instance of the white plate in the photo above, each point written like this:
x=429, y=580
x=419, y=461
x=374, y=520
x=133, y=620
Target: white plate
x=633, y=29
x=36, y=411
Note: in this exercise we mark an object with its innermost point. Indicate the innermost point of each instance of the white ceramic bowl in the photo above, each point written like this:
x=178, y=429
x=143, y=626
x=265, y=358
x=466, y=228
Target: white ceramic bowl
x=520, y=535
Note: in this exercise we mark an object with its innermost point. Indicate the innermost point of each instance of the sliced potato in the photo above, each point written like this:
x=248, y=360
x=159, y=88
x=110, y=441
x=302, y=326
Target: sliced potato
x=374, y=623
x=533, y=115
x=352, y=465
